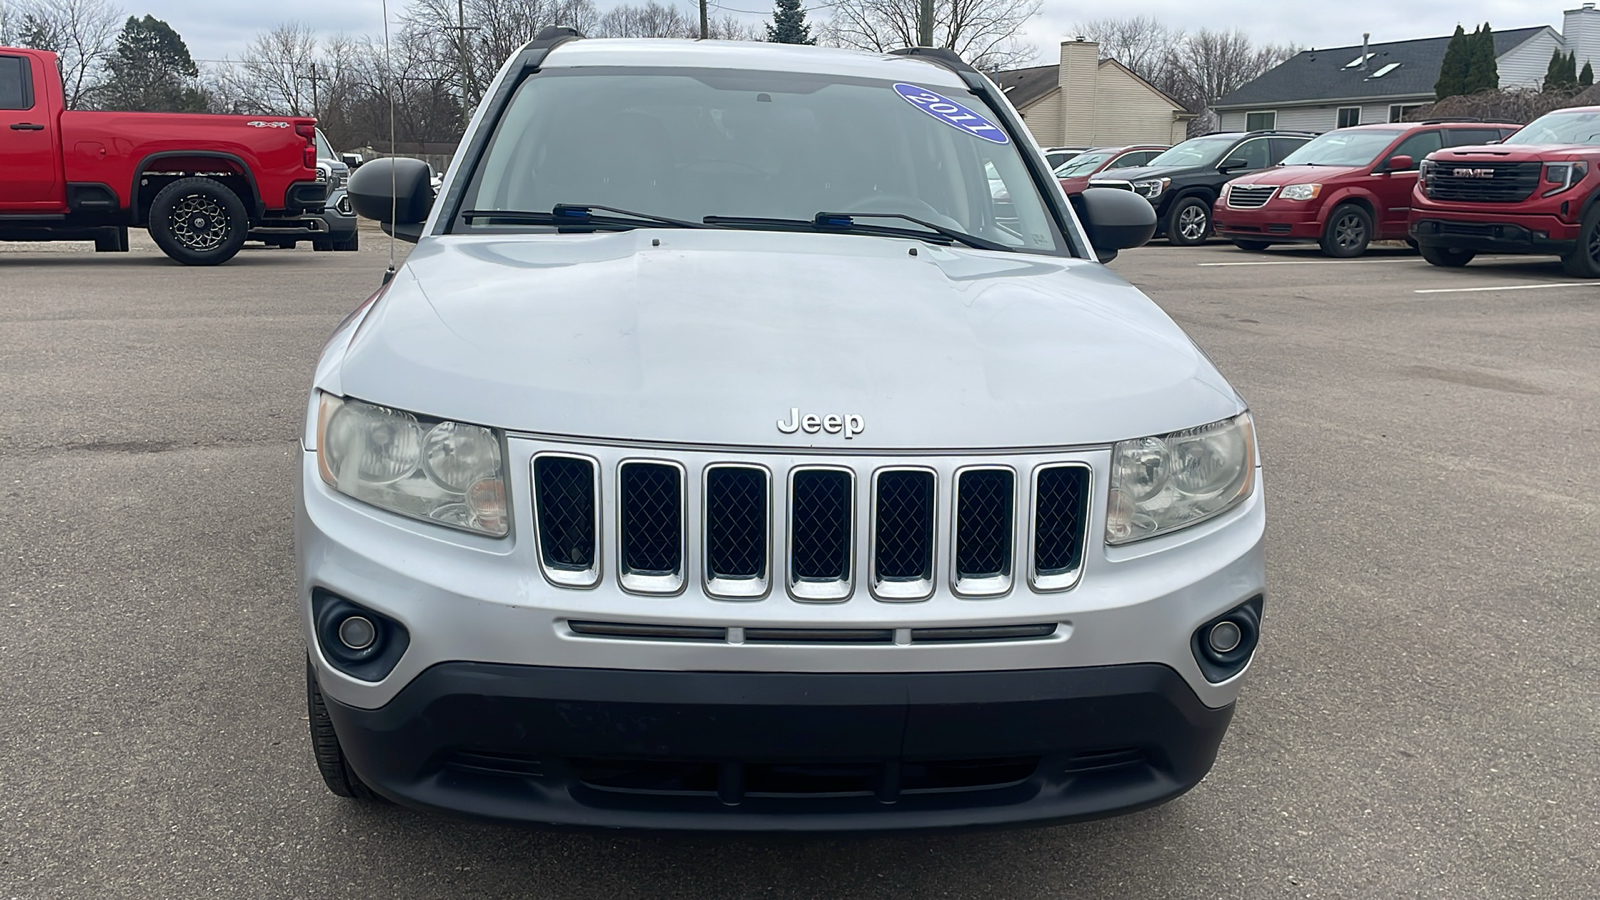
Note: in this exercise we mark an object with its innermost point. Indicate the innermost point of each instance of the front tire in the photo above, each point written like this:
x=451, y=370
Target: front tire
x=198, y=222
x=331, y=761
x=1584, y=260
x=1348, y=232
x=1447, y=257
x=1252, y=246
x=1190, y=222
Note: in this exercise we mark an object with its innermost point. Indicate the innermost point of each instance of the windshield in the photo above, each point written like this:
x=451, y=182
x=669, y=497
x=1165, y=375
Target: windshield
x=1200, y=151
x=1560, y=128
x=1082, y=165
x=324, y=149
x=684, y=144
x=1342, y=148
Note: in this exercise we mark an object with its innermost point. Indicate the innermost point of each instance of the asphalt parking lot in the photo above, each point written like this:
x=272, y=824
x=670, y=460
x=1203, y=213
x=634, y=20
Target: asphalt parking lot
x=1423, y=718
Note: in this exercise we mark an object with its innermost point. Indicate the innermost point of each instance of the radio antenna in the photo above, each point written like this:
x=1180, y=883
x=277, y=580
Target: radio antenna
x=394, y=201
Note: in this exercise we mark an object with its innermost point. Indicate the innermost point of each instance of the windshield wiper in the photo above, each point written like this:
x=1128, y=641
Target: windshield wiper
x=571, y=215
x=846, y=222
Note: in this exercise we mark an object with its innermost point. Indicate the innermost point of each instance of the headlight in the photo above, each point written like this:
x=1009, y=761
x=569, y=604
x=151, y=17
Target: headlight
x=444, y=472
x=1563, y=176
x=1161, y=484
x=1152, y=188
x=1301, y=192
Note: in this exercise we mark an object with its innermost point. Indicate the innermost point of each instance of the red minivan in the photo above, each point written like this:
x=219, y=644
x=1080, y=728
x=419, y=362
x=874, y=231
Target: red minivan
x=1343, y=189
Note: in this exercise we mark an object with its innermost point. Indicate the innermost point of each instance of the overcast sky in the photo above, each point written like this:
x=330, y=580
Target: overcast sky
x=214, y=28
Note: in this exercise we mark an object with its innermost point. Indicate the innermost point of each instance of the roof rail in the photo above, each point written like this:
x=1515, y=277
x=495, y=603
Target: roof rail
x=941, y=55
x=1444, y=120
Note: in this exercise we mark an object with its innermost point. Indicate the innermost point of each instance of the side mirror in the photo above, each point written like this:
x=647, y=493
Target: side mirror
x=353, y=160
x=396, y=192
x=1230, y=165
x=1401, y=163
x=1115, y=219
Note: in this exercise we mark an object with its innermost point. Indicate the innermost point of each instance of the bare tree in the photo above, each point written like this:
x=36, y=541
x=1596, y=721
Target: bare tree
x=1210, y=64
x=986, y=33
x=82, y=32
x=652, y=20
x=273, y=75
x=730, y=28
x=477, y=36
x=1142, y=43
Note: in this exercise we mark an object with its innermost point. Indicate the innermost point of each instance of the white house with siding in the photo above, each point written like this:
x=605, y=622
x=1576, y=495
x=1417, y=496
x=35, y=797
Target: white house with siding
x=1323, y=89
x=1086, y=101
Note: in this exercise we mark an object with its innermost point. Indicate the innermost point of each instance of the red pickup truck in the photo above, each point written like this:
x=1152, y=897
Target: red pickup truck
x=199, y=183
x=1537, y=192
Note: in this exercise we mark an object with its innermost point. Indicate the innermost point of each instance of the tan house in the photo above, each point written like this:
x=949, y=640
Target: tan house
x=1086, y=101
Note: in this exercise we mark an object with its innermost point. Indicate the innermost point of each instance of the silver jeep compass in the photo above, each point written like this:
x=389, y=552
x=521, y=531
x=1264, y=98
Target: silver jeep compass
x=728, y=455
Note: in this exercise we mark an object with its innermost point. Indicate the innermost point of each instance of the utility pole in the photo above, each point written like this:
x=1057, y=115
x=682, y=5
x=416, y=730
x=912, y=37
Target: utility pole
x=313, y=90
x=463, y=57
x=925, y=24
x=705, y=30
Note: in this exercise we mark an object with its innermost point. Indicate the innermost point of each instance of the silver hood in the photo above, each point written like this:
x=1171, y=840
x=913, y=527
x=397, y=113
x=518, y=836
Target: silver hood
x=712, y=337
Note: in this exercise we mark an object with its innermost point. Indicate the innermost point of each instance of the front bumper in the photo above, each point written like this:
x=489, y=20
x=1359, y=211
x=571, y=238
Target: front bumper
x=1494, y=233
x=784, y=752
x=1289, y=226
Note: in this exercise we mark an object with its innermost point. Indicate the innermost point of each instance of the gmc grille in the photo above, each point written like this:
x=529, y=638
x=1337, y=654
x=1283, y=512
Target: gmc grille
x=744, y=527
x=1483, y=182
x=1250, y=196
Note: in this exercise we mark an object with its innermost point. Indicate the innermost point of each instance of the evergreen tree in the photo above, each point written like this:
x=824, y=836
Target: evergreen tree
x=151, y=71
x=1483, y=73
x=1552, y=72
x=1453, y=71
x=1586, y=77
x=1569, y=72
x=789, y=24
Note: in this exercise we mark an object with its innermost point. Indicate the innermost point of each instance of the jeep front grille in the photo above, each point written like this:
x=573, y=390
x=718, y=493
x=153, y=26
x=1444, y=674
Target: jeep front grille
x=650, y=511
x=1241, y=196
x=738, y=524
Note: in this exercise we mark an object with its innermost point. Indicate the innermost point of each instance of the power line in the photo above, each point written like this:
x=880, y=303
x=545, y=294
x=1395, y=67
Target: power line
x=768, y=12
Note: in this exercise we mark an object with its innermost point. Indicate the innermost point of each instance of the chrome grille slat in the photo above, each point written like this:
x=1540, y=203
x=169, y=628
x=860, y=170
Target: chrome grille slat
x=736, y=523
x=650, y=521
x=1060, y=525
x=821, y=533
x=984, y=528
x=566, y=518
x=903, y=515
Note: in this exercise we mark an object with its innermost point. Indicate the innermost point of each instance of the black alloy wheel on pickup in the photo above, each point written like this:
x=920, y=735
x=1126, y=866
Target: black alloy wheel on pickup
x=1190, y=222
x=198, y=222
x=1583, y=261
x=1348, y=232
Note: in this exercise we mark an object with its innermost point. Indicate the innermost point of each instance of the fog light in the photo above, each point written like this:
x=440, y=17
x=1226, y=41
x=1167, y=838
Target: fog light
x=358, y=633
x=1224, y=645
x=1224, y=636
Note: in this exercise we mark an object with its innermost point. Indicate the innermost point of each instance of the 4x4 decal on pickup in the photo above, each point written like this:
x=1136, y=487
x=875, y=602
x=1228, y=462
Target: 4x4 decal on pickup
x=259, y=124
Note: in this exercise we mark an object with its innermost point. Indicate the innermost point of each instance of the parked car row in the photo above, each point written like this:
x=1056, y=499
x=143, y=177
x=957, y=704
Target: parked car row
x=1450, y=188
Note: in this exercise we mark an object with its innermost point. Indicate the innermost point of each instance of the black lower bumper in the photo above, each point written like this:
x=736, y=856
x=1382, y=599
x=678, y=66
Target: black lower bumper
x=784, y=752
x=1487, y=237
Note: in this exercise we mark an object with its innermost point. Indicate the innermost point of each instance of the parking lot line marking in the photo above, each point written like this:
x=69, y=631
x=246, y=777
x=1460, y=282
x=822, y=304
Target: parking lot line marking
x=1309, y=262
x=1510, y=287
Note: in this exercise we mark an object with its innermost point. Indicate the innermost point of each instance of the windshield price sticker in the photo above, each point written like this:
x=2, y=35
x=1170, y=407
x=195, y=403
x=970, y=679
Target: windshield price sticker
x=952, y=113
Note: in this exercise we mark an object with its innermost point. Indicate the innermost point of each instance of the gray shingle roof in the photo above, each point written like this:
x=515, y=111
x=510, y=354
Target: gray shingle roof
x=1025, y=86
x=1321, y=74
